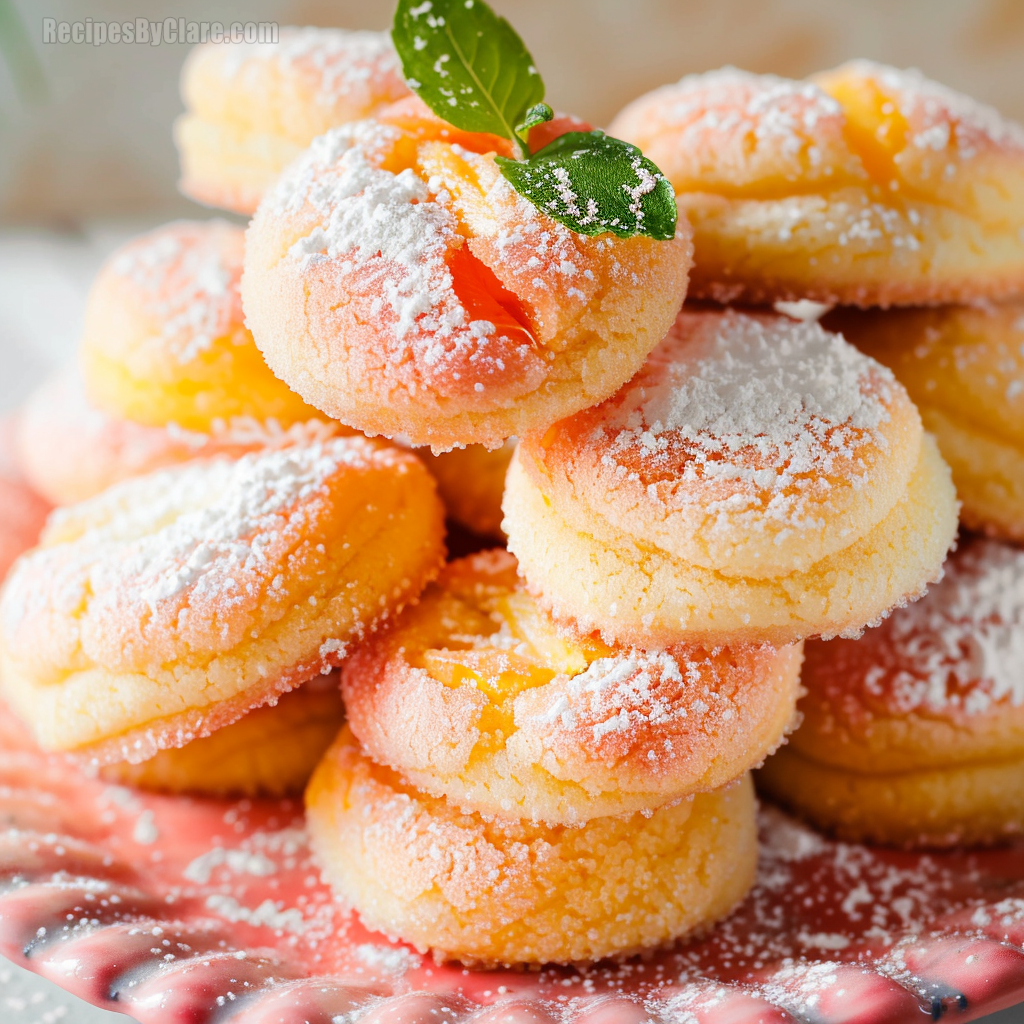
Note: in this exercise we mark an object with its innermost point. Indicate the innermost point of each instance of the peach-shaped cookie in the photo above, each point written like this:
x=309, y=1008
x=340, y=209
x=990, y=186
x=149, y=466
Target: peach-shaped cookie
x=22, y=511
x=270, y=751
x=251, y=108
x=863, y=185
x=165, y=340
x=471, y=481
x=497, y=891
x=397, y=281
x=964, y=368
x=759, y=480
x=69, y=450
x=474, y=695
x=914, y=735
x=171, y=604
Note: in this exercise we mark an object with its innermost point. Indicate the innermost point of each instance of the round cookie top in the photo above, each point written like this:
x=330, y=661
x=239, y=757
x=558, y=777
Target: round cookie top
x=921, y=139
x=429, y=281
x=222, y=581
x=475, y=693
x=740, y=446
x=165, y=339
x=956, y=653
x=864, y=185
x=185, y=278
x=966, y=361
x=70, y=450
x=210, y=538
x=741, y=134
x=310, y=80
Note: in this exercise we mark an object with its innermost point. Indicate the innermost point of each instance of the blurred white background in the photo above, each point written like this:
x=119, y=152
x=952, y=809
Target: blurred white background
x=100, y=145
x=86, y=157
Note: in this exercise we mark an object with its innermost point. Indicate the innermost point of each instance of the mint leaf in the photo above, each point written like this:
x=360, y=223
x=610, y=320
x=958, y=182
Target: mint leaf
x=536, y=115
x=467, y=64
x=593, y=183
x=472, y=69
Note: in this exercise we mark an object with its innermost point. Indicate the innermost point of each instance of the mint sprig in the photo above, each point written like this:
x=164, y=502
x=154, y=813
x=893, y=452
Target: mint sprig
x=594, y=183
x=472, y=69
x=536, y=115
x=467, y=64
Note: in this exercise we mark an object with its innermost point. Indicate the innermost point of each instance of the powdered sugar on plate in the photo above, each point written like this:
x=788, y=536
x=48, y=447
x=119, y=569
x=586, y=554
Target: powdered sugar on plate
x=77, y=895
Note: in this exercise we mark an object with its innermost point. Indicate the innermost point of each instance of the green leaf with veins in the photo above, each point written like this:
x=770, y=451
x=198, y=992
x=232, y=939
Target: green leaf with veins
x=467, y=64
x=593, y=183
x=472, y=69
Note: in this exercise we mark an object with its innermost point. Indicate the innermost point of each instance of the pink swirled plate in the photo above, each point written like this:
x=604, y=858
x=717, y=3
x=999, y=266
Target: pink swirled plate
x=183, y=911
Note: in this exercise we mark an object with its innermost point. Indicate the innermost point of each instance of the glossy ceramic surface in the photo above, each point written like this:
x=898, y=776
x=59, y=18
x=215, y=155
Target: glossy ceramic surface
x=178, y=910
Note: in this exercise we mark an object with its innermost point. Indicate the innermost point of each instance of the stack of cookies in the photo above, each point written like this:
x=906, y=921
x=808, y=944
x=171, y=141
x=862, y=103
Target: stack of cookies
x=900, y=204
x=545, y=750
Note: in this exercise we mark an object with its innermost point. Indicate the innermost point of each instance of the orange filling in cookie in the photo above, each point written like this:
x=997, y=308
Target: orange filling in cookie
x=440, y=154
x=483, y=632
x=476, y=695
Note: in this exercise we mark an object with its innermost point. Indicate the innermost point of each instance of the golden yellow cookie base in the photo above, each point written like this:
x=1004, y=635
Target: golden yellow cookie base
x=227, y=383
x=988, y=474
x=229, y=166
x=507, y=892
x=838, y=248
x=164, y=339
x=964, y=367
x=640, y=594
x=270, y=752
x=967, y=804
x=471, y=481
x=347, y=560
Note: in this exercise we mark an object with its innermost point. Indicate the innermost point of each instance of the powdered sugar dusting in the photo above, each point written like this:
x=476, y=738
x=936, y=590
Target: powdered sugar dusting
x=927, y=920
x=962, y=645
x=197, y=548
x=392, y=959
x=269, y=913
x=633, y=689
x=940, y=116
x=187, y=275
x=356, y=66
x=761, y=401
x=371, y=214
x=194, y=528
x=741, y=377
x=777, y=112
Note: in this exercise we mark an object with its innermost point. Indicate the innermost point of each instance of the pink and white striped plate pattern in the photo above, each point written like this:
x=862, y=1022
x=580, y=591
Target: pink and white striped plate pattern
x=186, y=911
